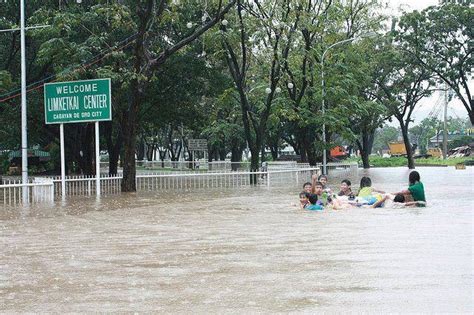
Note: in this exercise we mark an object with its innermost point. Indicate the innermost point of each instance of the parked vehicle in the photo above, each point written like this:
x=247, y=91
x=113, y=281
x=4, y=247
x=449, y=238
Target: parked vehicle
x=338, y=152
x=397, y=148
x=435, y=152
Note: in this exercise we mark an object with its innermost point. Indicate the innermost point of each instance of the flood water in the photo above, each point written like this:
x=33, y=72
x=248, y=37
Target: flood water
x=243, y=251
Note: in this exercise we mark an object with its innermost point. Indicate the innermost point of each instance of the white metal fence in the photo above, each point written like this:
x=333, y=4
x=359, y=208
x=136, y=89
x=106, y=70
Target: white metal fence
x=39, y=190
x=277, y=174
x=202, y=165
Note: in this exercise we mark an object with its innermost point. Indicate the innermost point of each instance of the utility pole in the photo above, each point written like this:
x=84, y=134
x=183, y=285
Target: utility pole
x=24, y=129
x=24, y=140
x=445, y=128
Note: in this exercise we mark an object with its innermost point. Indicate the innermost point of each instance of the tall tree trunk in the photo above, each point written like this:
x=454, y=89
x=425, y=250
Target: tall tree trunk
x=254, y=165
x=312, y=157
x=307, y=147
x=365, y=147
x=113, y=161
x=130, y=140
x=112, y=148
x=364, y=152
x=408, y=148
x=236, y=156
x=274, y=152
x=162, y=154
x=86, y=162
x=222, y=154
x=150, y=148
x=141, y=149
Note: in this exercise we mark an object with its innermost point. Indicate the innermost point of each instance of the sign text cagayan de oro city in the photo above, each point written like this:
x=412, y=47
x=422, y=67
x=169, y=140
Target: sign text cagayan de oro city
x=77, y=101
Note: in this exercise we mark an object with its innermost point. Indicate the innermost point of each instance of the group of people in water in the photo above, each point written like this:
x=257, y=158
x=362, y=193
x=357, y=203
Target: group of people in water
x=317, y=196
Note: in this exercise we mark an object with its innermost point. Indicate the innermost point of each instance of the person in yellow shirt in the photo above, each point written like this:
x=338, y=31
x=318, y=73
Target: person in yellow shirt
x=369, y=193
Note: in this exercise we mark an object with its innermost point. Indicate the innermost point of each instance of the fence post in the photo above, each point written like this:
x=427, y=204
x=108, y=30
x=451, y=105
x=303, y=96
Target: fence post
x=51, y=191
x=268, y=178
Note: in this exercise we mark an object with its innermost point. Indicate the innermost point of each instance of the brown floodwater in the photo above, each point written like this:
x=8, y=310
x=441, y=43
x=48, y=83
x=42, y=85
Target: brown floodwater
x=242, y=251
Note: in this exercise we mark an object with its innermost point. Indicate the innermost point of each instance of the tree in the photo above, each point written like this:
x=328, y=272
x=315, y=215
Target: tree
x=440, y=39
x=361, y=111
x=146, y=61
x=400, y=86
x=461, y=141
x=246, y=51
x=156, y=29
x=383, y=136
x=322, y=23
x=421, y=133
x=432, y=126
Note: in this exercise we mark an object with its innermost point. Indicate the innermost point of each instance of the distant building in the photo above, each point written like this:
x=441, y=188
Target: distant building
x=437, y=141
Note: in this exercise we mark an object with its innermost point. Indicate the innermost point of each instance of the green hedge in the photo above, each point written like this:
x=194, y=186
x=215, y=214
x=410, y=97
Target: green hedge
x=377, y=161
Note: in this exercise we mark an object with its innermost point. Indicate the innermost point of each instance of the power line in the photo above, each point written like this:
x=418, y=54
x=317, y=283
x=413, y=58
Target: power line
x=95, y=59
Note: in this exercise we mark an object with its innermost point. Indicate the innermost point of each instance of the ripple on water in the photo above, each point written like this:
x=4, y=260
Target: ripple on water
x=242, y=251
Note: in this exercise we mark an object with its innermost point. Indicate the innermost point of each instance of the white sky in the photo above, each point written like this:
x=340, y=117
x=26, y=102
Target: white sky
x=455, y=107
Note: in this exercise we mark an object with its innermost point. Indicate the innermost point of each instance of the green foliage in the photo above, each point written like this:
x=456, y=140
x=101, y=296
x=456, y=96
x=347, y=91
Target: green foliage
x=4, y=164
x=440, y=40
x=430, y=127
x=6, y=82
x=377, y=161
x=193, y=94
x=462, y=141
x=383, y=136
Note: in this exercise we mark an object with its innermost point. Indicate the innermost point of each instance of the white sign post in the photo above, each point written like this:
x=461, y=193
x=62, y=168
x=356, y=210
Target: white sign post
x=63, y=162
x=97, y=159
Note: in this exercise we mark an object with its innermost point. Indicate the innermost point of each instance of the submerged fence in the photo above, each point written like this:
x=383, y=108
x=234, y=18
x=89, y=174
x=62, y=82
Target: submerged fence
x=43, y=189
x=39, y=190
x=215, y=166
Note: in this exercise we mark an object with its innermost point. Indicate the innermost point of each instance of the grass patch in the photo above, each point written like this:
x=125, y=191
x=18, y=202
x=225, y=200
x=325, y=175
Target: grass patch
x=377, y=161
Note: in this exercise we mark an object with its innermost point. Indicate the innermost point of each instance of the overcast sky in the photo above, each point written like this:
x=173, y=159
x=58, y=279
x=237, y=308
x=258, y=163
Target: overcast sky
x=455, y=108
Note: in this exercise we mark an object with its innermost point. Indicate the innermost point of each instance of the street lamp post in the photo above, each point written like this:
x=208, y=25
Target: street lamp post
x=323, y=92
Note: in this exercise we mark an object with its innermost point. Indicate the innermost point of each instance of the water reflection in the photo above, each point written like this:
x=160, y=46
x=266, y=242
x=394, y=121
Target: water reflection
x=242, y=251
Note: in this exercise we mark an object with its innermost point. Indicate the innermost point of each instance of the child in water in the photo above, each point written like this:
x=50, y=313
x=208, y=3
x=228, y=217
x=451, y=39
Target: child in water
x=308, y=187
x=345, y=188
x=323, y=197
x=368, y=194
x=397, y=201
x=415, y=189
x=303, y=200
x=313, y=200
x=323, y=179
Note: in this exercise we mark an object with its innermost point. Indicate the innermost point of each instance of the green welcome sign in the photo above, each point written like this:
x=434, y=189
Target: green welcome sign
x=77, y=101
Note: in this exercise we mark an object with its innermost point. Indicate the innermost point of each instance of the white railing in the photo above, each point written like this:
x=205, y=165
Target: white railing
x=198, y=180
x=223, y=180
x=193, y=165
x=46, y=189
x=351, y=169
x=86, y=185
x=40, y=190
x=215, y=166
